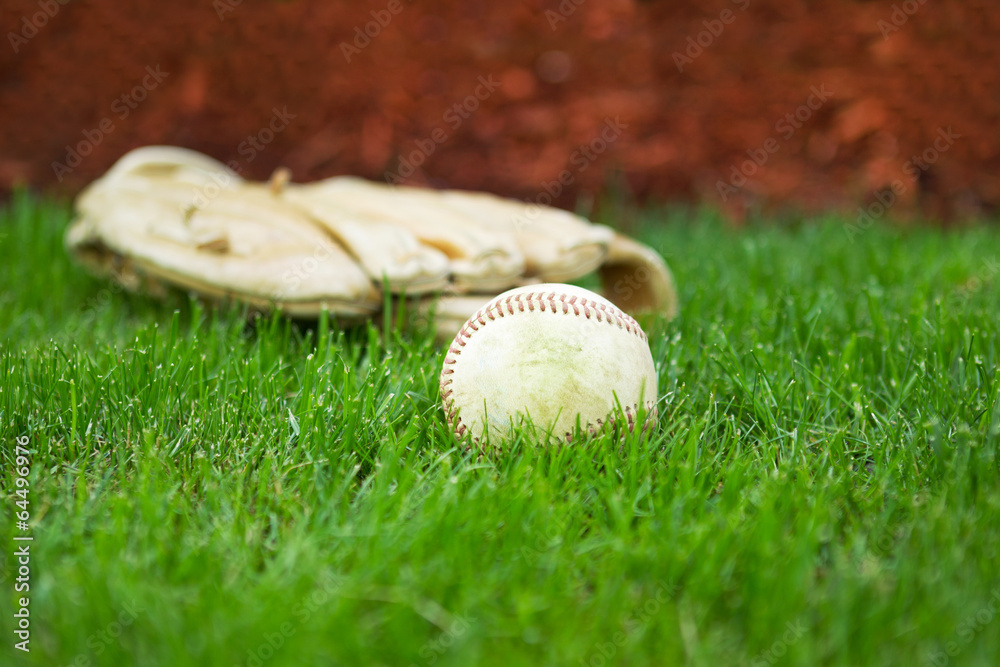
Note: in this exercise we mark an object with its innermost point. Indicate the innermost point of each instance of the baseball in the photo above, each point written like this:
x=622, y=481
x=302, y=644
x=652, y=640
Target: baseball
x=555, y=354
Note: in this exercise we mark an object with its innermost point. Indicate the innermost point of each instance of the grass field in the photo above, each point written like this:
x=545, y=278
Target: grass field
x=822, y=487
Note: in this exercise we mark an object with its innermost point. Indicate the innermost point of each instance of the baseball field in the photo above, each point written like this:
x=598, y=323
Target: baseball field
x=184, y=486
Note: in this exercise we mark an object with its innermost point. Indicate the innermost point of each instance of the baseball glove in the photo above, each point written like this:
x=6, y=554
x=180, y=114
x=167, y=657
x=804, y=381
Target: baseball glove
x=166, y=216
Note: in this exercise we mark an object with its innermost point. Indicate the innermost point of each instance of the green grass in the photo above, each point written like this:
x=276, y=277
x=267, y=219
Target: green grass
x=822, y=488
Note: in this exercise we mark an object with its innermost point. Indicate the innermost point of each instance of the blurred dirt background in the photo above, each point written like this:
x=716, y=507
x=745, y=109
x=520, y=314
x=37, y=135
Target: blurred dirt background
x=671, y=101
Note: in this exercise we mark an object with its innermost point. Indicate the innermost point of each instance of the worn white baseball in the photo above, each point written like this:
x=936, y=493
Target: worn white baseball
x=557, y=354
